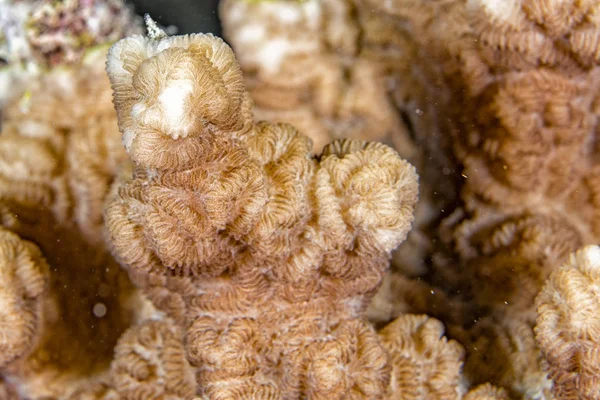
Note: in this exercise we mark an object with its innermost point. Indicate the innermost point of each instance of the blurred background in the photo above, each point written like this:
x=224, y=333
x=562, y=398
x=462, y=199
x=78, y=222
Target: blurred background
x=189, y=16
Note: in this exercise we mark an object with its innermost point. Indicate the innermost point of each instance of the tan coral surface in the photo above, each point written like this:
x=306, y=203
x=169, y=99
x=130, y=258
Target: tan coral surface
x=52, y=189
x=280, y=251
x=334, y=68
x=425, y=364
x=24, y=280
x=506, y=94
x=260, y=259
x=568, y=327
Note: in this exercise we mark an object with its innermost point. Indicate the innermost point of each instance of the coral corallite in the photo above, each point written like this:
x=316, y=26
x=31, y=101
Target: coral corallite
x=273, y=254
x=567, y=327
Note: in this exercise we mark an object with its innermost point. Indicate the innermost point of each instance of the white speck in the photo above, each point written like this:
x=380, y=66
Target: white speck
x=354, y=305
x=99, y=310
x=418, y=111
x=173, y=100
x=432, y=292
x=593, y=254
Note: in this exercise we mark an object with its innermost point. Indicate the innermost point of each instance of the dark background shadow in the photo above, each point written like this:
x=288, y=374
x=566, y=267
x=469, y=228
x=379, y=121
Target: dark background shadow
x=189, y=16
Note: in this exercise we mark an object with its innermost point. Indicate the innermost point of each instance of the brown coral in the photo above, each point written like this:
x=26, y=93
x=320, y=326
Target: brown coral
x=511, y=257
x=150, y=363
x=507, y=90
x=567, y=326
x=523, y=121
x=52, y=190
x=309, y=72
x=261, y=258
x=7, y=391
x=486, y=392
x=281, y=250
x=24, y=283
x=334, y=69
x=425, y=365
x=501, y=348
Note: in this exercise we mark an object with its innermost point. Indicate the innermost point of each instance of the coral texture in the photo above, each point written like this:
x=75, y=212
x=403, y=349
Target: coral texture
x=150, y=363
x=277, y=253
x=425, y=364
x=332, y=69
x=523, y=124
x=66, y=300
x=51, y=193
x=568, y=327
x=506, y=94
x=487, y=392
x=24, y=280
x=251, y=265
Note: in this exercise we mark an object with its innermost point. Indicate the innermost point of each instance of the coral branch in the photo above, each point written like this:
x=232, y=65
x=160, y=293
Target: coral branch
x=425, y=364
x=281, y=250
x=567, y=326
x=24, y=276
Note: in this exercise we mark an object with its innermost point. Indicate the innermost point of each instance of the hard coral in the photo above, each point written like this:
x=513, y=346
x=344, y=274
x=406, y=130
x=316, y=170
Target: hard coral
x=261, y=258
x=523, y=129
x=303, y=65
x=425, y=364
x=69, y=316
x=508, y=110
x=51, y=193
x=334, y=69
x=24, y=283
x=567, y=326
x=487, y=392
x=37, y=36
x=278, y=252
x=501, y=348
x=150, y=363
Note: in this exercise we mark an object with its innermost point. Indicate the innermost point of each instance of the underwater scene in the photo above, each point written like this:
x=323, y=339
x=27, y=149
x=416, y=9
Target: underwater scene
x=299, y=199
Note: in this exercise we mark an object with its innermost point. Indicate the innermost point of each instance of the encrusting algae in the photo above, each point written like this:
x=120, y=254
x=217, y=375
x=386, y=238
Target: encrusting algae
x=215, y=256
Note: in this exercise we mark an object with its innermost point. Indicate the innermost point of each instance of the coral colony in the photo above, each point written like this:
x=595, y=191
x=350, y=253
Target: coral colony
x=180, y=220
